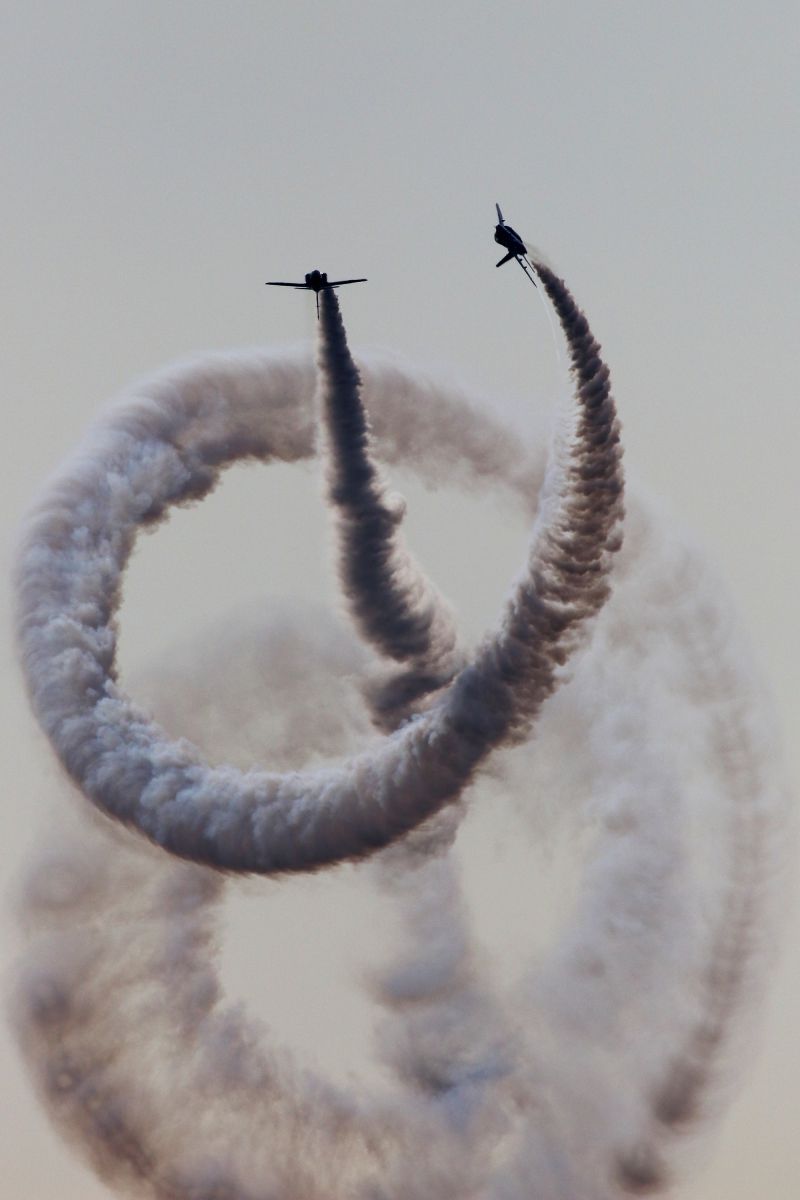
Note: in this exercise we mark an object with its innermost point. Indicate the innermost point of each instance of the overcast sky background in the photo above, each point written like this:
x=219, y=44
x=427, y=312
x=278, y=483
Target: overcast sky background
x=161, y=160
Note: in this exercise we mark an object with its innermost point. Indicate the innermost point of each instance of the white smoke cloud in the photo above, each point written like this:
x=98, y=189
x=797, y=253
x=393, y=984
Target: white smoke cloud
x=580, y=1079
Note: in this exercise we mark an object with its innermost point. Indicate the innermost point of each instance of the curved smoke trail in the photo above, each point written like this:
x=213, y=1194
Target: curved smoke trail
x=395, y=608
x=552, y=1088
x=577, y=1081
x=142, y=459
x=394, y=605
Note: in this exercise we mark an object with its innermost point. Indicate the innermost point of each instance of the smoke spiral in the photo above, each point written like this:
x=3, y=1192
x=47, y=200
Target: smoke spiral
x=576, y=1081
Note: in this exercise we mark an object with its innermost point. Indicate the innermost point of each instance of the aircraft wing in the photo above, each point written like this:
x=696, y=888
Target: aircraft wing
x=338, y=282
x=280, y=283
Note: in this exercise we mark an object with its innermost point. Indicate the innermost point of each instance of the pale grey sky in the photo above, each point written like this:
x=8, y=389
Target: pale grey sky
x=161, y=160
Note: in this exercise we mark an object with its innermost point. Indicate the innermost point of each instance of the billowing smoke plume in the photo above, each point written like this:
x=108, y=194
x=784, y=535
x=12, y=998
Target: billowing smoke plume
x=582, y=1077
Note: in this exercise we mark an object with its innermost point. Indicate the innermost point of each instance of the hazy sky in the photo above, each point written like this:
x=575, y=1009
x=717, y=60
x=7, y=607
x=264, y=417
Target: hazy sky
x=160, y=161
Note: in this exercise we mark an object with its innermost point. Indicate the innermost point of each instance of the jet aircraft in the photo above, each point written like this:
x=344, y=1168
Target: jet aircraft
x=510, y=240
x=316, y=281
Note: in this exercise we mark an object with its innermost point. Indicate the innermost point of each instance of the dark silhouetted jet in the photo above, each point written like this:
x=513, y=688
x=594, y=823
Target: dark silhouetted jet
x=316, y=281
x=510, y=240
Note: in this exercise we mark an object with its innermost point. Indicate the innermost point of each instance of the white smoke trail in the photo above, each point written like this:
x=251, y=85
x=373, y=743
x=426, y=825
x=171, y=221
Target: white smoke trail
x=577, y=1082
x=394, y=606
x=157, y=450
x=549, y=1090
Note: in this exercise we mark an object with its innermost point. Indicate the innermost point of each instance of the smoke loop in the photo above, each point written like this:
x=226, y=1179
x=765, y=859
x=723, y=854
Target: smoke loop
x=579, y=1080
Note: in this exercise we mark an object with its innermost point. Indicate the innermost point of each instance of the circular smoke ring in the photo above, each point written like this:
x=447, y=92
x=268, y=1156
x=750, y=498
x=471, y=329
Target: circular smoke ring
x=148, y=455
x=168, y=447
x=635, y=990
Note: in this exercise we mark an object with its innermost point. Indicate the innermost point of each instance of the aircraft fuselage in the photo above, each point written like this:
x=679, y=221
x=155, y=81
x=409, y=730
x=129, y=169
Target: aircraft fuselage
x=509, y=239
x=317, y=280
x=513, y=245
